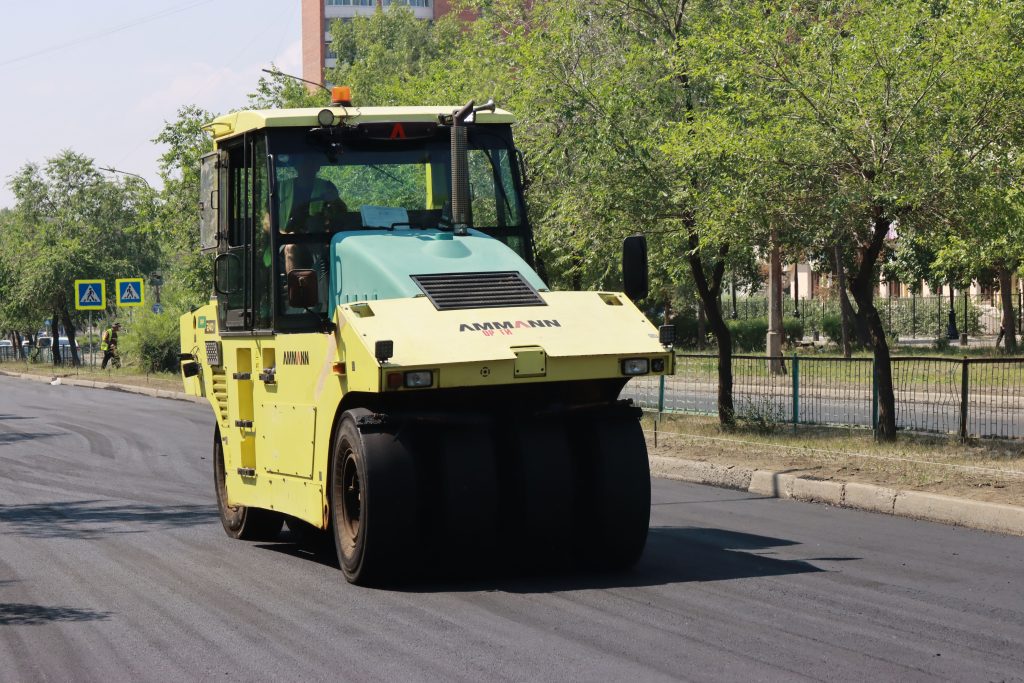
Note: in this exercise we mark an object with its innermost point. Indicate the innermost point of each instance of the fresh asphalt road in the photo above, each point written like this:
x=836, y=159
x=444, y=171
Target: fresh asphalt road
x=113, y=566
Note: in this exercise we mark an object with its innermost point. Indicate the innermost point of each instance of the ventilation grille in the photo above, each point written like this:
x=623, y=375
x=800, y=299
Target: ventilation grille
x=452, y=291
x=220, y=392
x=213, y=353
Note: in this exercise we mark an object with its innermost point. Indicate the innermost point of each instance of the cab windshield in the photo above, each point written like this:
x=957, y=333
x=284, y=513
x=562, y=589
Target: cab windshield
x=357, y=181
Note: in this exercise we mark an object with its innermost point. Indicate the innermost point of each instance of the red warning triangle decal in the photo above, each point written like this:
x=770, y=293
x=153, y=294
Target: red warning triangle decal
x=398, y=132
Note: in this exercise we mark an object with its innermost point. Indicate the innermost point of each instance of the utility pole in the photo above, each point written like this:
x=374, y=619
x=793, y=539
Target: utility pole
x=774, y=341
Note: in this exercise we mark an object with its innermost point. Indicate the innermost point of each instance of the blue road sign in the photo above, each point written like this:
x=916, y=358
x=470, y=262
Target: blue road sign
x=158, y=308
x=90, y=295
x=129, y=291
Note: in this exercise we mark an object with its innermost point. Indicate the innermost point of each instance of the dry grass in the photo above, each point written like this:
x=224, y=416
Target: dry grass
x=981, y=470
x=124, y=375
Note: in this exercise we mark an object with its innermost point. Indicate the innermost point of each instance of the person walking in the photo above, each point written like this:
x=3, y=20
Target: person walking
x=108, y=344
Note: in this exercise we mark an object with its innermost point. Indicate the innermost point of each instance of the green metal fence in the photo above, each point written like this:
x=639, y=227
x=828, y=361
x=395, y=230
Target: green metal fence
x=911, y=316
x=969, y=397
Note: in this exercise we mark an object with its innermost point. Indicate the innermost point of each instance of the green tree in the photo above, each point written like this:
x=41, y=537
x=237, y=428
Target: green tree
x=70, y=223
x=178, y=213
x=386, y=56
x=892, y=105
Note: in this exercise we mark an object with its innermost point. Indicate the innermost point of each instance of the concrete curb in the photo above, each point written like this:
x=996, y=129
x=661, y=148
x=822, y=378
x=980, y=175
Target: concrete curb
x=112, y=386
x=933, y=507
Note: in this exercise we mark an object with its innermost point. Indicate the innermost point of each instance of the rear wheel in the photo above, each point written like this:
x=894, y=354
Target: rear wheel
x=468, y=499
x=249, y=524
x=543, y=495
x=306, y=535
x=616, y=479
x=373, y=502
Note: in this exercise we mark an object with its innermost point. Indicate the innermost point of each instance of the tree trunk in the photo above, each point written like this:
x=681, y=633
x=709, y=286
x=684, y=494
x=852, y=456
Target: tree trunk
x=65, y=315
x=711, y=296
x=702, y=328
x=1006, y=295
x=844, y=302
x=773, y=342
x=862, y=286
x=55, y=338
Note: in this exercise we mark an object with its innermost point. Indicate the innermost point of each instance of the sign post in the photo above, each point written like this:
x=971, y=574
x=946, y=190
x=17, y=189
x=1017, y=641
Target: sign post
x=90, y=295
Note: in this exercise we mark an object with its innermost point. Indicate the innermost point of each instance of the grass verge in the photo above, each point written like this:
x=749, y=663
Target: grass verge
x=980, y=470
x=125, y=375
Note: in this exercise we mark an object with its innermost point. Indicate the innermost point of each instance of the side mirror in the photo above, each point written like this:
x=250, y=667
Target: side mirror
x=302, y=288
x=227, y=274
x=634, y=267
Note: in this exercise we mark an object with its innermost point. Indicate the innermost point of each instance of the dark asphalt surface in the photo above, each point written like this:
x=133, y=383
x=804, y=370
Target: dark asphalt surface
x=113, y=566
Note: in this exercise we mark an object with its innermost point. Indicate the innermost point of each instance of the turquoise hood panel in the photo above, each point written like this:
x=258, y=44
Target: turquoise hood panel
x=376, y=264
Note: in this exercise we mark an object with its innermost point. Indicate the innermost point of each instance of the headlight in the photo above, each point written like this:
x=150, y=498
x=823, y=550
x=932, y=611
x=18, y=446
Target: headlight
x=658, y=365
x=418, y=379
x=634, y=366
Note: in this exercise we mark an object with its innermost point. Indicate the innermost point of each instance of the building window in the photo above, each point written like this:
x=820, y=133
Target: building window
x=410, y=3
x=356, y=3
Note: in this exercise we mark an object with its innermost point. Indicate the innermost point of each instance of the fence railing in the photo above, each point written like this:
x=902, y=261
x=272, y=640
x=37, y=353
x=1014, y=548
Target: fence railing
x=911, y=316
x=969, y=397
x=44, y=356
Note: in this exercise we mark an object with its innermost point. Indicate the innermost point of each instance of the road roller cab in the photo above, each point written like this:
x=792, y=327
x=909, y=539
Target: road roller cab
x=385, y=364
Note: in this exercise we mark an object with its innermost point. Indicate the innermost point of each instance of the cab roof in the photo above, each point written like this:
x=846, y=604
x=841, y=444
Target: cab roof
x=254, y=119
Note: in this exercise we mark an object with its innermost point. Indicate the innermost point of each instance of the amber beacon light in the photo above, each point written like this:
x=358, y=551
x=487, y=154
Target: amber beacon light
x=341, y=95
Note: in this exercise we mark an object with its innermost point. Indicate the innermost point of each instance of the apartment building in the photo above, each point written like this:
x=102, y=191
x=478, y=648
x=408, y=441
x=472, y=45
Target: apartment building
x=317, y=16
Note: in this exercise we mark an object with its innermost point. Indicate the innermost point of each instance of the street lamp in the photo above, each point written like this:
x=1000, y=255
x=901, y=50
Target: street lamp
x=952, y=332
x=134, y=175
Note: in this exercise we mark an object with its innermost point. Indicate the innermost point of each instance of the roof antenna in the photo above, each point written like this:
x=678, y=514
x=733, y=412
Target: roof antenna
x=274, y=72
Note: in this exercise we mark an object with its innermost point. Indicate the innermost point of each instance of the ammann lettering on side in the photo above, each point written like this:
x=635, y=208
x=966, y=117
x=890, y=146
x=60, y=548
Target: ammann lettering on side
x=296, y=358
x=506, y=326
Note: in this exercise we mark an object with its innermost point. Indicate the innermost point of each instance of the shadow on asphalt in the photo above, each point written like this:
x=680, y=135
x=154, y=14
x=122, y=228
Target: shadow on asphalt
x=20, y=614
x=89, y=519
x=673, y=555
x=16, y=437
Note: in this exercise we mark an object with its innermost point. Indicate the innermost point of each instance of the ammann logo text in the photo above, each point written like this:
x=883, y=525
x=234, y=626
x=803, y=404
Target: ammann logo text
x=296, y=358
x=506, y=326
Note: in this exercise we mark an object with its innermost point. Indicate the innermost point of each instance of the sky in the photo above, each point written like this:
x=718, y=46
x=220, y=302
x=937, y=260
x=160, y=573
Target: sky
x=102, y=77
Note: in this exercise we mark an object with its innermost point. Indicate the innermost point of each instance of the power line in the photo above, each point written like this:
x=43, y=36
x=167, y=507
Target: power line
x=108, y=31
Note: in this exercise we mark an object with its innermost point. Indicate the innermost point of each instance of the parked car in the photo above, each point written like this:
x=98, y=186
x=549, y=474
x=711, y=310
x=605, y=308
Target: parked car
x=7, y=350
x=65, y=345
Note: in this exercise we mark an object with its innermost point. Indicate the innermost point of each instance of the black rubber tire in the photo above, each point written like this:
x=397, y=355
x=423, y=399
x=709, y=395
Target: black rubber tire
x=245, y=523
x=543, y=496
x=616, y=509
x=469, y=502
x=373, y=503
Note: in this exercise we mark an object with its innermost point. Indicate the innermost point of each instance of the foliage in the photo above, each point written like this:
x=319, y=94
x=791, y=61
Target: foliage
x=69, y=223
x=178, y=214
x=751, y=334
x=152, y=342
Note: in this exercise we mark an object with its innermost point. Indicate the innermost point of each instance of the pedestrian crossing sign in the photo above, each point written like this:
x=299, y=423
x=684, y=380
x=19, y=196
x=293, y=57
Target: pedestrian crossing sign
x=90, y=295
x=129, y=291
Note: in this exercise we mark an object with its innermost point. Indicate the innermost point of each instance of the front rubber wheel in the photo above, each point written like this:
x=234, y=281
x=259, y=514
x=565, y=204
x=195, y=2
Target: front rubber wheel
x=248, y=524
x=373, y=502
